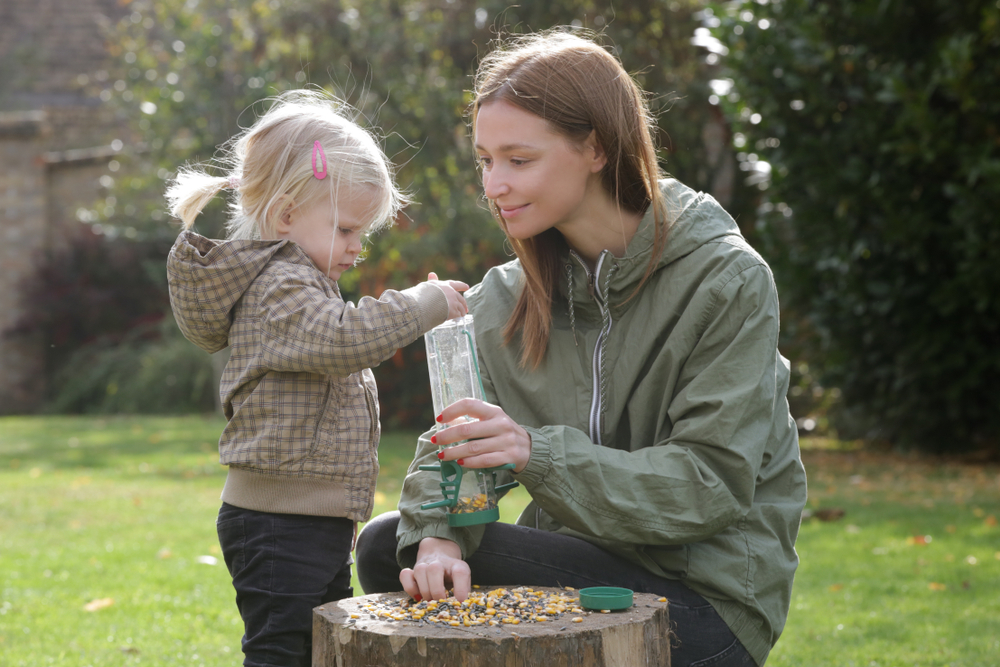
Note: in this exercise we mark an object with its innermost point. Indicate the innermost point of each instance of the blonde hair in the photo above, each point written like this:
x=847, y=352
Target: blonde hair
x=579, y=88
x=270, y=167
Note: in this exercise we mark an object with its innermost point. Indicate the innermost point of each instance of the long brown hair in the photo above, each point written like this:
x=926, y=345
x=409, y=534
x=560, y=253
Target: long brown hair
x=578, y=87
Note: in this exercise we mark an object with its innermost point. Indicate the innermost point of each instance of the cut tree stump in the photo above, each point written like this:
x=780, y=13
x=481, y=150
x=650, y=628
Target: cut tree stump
x=634, y=637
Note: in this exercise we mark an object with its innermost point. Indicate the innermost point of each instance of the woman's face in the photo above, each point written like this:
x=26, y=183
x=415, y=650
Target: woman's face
x=537, y=178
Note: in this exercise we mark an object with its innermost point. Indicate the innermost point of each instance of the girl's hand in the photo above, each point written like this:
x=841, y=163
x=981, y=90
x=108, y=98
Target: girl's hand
x=451, y=288
x=494, y=440
x=439, y=567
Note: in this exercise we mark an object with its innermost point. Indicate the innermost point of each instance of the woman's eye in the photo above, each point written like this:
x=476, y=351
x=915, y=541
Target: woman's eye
x=485, y=162
x=517, y=162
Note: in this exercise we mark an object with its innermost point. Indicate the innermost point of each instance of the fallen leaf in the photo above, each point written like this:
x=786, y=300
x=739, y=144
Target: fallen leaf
x=131, y=650
x=101, y=603
x=990, y=521
x=935, y=586
x=829, y=514
x=836, y=587
x=163, y=554
x=950, y=528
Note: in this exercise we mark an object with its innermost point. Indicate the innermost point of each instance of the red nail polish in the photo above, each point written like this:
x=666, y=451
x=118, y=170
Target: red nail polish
x=417, y=598
x=440, y=455
x=460, y=462
x=440, y=418
x=434, y=439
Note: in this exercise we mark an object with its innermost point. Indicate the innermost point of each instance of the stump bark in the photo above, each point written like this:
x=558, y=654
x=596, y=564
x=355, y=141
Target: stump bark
x=634, y=637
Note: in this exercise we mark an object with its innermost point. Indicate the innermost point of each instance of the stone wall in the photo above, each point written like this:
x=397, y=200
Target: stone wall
x=55, y=144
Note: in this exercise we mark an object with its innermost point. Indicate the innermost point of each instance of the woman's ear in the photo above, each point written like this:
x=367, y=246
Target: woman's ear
x=596, y=152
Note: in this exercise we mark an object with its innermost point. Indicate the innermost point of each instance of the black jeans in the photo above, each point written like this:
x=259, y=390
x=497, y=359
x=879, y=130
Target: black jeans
x=515, y=555
x=282, y=566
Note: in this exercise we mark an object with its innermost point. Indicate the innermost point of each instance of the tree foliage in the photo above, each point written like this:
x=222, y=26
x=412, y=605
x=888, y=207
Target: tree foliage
x=879, y=119
x=193, y=71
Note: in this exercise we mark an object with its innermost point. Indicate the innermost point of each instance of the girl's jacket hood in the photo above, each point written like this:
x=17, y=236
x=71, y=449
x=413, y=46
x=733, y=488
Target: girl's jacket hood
x=207, y=278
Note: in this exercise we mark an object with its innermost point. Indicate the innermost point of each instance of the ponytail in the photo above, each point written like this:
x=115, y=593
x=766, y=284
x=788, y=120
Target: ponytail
x=191, y=191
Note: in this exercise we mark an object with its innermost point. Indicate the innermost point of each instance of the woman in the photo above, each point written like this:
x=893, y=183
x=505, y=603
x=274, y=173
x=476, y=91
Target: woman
x=630, y=362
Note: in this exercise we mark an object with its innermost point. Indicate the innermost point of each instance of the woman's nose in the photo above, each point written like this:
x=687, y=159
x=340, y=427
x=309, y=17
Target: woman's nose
x=495, y=183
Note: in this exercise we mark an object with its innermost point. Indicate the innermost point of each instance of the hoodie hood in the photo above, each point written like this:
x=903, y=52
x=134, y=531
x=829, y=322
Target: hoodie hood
x=206, y=279
x=694, y=219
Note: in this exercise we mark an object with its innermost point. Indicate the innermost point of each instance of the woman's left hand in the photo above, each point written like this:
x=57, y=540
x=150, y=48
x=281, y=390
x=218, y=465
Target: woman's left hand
x=494, y=440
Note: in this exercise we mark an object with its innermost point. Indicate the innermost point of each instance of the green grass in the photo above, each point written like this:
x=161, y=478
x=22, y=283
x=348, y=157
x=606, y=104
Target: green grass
x=123, y=509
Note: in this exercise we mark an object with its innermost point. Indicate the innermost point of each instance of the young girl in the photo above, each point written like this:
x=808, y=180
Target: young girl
x=630, y=364
x=308, y=185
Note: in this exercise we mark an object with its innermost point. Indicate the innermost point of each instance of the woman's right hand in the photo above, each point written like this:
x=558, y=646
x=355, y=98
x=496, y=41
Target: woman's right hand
x=439, y=567
x=451, y=288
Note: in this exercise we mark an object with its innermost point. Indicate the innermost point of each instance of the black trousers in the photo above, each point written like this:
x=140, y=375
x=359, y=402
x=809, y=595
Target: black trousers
x=282, y=566
x=514, y=555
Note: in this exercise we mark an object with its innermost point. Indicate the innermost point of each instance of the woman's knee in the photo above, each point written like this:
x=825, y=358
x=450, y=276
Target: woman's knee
x=375, y=554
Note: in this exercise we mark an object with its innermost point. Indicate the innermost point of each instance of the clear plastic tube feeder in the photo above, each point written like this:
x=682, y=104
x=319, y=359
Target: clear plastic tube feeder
x=470, y=495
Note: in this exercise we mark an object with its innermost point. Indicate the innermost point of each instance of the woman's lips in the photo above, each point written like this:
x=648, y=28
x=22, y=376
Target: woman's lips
x=512, y=211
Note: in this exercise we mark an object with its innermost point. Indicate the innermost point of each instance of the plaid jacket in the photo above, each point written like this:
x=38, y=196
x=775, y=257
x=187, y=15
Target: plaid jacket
x=298, y=390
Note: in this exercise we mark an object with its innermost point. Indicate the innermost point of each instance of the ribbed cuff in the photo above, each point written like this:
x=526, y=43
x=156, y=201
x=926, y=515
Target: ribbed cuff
x=432, y=304
x=540, y=462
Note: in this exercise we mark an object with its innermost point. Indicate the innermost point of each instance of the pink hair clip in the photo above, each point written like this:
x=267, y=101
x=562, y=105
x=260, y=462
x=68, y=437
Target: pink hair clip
x=234, y=182
x=318, y=150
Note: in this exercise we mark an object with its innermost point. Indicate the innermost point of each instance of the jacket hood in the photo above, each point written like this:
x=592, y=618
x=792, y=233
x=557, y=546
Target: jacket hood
x=694, y=219
x=206, y=279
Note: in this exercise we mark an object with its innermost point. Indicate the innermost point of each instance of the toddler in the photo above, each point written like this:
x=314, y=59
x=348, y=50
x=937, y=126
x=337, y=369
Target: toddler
x=308, y=185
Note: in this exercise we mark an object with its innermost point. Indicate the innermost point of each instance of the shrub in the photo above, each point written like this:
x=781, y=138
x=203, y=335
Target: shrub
x=879, y=119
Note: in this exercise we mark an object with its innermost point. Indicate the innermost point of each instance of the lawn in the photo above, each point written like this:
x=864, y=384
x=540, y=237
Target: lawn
x=108, y=554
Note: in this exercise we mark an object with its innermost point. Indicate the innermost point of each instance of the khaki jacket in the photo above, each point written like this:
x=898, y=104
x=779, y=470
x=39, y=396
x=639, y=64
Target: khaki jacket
x=659, y=425
x=298, y=390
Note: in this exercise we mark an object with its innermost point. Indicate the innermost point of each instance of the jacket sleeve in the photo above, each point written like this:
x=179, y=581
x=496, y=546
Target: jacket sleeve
x=304, y=330
x=701, y=477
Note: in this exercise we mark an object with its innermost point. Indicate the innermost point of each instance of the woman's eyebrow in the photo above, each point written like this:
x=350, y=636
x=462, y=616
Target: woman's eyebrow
x=506, y=148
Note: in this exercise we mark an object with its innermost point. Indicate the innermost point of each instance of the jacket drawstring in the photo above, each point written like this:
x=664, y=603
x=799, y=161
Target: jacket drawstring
x=572, y=313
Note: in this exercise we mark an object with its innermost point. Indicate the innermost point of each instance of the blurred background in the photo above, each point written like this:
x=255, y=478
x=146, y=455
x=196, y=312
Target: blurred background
x=855, y=142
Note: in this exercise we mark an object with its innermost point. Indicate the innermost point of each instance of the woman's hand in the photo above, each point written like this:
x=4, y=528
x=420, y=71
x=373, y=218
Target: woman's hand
x=439, y=567
x=494, y=440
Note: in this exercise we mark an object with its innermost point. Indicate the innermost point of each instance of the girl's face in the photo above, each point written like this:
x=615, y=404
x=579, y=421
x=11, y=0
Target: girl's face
x=332, y=248
x=537, y=178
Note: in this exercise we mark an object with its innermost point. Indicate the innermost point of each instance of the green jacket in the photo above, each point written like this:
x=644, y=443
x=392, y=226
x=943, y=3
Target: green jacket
x=696, y=472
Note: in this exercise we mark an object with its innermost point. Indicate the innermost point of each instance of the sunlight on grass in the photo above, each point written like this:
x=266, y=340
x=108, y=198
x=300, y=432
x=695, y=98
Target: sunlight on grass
x=108, y=552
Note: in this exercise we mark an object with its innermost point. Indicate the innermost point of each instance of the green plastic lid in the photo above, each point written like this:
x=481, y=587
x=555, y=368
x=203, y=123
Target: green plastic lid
x=605, y=597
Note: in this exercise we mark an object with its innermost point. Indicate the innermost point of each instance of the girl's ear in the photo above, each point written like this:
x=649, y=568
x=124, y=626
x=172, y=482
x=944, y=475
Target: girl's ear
x=596, y=152
x=283, y=217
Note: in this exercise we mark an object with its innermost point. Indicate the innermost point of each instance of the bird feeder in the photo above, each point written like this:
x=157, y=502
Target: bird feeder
x=471, y=495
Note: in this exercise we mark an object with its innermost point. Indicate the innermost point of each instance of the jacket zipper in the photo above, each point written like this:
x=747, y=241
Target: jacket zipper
x=595, y=401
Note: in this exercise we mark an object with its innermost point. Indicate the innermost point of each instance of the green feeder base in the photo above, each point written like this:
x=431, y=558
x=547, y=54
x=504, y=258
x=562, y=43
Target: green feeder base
x=473, y=518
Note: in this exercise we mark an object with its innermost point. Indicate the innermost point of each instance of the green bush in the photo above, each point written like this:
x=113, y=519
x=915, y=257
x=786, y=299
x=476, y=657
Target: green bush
x=152, y=370
x=879, y=120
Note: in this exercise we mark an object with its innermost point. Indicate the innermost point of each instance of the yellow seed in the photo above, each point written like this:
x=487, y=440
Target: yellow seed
x=355, y=615
x=454, y=623
x=578, y=620
x=662, y=600
x=605, y=611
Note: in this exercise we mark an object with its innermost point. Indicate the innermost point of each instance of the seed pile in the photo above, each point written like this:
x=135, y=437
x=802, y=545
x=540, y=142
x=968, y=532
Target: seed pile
x=477, y=503
x=496, y=607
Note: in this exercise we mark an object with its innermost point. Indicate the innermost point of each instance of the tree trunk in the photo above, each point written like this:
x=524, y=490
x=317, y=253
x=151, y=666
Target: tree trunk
x=635, y=637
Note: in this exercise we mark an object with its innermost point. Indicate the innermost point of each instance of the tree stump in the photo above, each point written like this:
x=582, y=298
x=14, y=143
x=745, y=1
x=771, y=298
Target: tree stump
x=634, y=637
